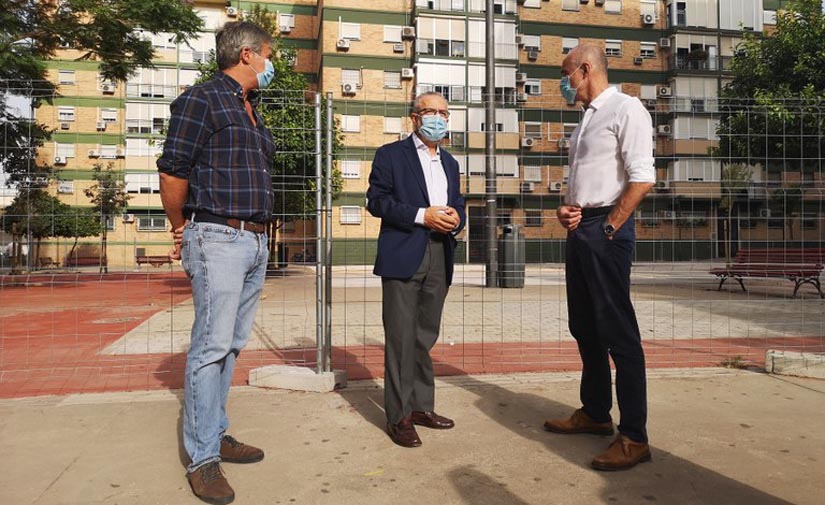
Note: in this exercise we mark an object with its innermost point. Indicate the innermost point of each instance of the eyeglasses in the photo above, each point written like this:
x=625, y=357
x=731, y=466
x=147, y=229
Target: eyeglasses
x=432, y=112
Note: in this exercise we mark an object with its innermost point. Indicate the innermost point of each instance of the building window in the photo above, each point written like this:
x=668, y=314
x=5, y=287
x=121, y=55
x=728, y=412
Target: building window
x=647, y=219
x=392, y=79
x=350, y=214
x=108, y=151
x=286, y=22
x=568, y=129
x=647, y=50
x=349, y=76
x=351, y=123
x=351, y=169
x=65, y=76
x=424, y=46
x=681, y=13
x=108, y=115
x=568, y=43
x=532, y=129
x=65, y=113
x=613, y=6
x=151, y=223
x=532, y=218
x=351, y=31
x=110, y=223
x=532, y=87
x=392, y=125
x=64, y=150
x=532, y=173
x=809, y=220
x=392, y=34
x=142, y=183
x=532, y=42
x=613, y=48
x=570, y=5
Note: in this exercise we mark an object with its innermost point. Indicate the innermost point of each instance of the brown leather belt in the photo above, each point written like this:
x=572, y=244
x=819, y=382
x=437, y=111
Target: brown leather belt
x=202, y=216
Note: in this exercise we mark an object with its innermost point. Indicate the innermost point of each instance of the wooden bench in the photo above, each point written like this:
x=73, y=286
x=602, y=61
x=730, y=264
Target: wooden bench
x=155, y=261
x=46, y=262
x=82, y=261
x=800, y=265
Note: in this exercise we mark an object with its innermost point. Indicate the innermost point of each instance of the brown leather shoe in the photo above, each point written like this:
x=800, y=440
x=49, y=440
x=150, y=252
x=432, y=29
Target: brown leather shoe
x=579, y=422
x=209, y=484
x=404, y=433
x=432, y=420
x=622, y=454
x=233, y=451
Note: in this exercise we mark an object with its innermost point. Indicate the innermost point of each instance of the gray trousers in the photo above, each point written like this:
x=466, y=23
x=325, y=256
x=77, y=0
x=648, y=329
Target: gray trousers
x=412, y=317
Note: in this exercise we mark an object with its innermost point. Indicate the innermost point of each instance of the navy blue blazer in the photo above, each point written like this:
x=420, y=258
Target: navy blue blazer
x=397, y=190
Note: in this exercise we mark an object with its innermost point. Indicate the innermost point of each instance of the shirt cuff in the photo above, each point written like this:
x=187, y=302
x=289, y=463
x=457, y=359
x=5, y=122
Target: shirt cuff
x=419, y=216
x=642, y=170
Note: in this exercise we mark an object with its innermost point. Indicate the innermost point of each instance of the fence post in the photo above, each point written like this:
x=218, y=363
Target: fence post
x=328, y=236
x=319, y=292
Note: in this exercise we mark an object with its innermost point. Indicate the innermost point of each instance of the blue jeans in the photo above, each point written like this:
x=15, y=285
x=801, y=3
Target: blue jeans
x=227, y=268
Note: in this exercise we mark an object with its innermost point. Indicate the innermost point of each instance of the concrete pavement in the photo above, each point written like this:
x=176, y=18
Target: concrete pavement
x=719, y=437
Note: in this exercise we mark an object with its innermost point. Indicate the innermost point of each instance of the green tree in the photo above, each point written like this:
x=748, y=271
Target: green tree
x=290, y=116
x=736, y=179
x=109, y=199
x=76, y=223
x=109, y=32
x=32, y=213
x=772, y=110
x=787, y=202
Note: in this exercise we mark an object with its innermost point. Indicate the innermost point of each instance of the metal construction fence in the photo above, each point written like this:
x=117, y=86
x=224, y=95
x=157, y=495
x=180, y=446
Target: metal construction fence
x=734, y=178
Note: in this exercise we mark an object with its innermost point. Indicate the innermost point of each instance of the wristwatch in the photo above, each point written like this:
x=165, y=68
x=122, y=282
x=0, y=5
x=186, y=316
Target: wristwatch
x=609, y=230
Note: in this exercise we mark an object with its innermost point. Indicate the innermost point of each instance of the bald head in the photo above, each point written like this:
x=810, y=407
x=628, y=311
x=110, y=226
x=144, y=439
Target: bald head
x=587, y=53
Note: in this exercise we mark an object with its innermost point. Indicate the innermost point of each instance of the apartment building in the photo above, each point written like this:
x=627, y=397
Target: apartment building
x=373, y=57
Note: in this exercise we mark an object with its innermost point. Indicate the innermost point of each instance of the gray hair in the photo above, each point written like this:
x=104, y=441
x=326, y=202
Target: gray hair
x=416, y=105
x=233, y=37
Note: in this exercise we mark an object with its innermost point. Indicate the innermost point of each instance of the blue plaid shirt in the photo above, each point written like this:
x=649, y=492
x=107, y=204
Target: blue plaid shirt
x=227, y=160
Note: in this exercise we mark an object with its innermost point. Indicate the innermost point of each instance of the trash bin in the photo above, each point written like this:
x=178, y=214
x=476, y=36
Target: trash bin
x=511, y=257
x=283, y=255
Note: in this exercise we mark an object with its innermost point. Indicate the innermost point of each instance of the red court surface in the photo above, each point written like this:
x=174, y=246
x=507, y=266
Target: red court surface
x=50, y=344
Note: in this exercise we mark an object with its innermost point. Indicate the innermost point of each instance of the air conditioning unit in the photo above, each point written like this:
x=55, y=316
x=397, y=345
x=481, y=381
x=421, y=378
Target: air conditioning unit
x=65, y=187
x=232, y=12
x=648, y=19
x=638, y=60
x=521, y=76
x=119, y=153
x=94, y=153
x=662, y=185
x=407, y=32
x=528, y=187
x=528, y=142
x=64, y=126
x=107, y=89
x=407, y=73
x=599, y=3
x=519, y=39
x=348, y=88
x=532, y=53
x=101, y=126
x=664, y=91
x=342, y=44
x=128, y=218
x=59, y=160
x=554, y=186
x=285, y=28
x=664, y=130
x=564, y=144
x=521, y=97
x=398, y=48
x=764, y=212
x=664, y=42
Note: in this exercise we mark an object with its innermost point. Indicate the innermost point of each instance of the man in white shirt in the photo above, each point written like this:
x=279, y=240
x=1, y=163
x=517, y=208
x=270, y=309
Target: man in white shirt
x=611, y=170
x=414, y=189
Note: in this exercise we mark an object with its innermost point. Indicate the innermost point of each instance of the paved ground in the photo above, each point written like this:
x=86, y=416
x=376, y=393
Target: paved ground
x=718, y=437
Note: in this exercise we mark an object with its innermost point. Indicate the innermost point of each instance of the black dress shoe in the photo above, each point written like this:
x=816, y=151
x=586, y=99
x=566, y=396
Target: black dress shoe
x=404, y=433
x=432, y=420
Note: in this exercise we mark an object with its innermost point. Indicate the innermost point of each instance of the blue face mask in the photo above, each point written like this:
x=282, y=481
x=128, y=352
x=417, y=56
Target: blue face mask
x=568, y=92
x=265, y=77
x=433, y=128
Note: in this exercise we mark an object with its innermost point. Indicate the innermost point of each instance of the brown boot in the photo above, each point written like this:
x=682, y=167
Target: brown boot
x=233, y=451
x=579, y=422
x=622, y=454
x=209, y=484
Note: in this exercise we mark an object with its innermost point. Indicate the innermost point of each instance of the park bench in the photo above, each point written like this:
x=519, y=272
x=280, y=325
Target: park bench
x=800, y=265
x=82, y=261
x=46, y=262
x=155, y=261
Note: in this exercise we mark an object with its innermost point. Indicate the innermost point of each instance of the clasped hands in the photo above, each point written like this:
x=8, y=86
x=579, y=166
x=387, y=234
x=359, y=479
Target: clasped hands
x=441, y=219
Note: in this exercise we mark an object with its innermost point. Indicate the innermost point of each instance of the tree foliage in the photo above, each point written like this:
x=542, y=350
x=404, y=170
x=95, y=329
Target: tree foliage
x=772, y=111
x=288, y=112
x=109, y=198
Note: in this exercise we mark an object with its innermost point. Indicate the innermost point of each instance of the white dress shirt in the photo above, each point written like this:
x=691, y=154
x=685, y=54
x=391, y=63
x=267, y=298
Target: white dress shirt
x=434, y=176
x=611, y=147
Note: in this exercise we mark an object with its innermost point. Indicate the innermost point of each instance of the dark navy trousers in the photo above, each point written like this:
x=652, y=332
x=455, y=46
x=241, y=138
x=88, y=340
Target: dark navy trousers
x=603, y=322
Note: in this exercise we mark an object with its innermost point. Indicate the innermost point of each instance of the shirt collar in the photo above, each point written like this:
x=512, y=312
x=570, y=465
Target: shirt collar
x=603, y=97
x=234, y=86
x=421, y=146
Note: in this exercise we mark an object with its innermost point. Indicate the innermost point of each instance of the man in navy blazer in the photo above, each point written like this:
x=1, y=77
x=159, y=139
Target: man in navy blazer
x=414, y=189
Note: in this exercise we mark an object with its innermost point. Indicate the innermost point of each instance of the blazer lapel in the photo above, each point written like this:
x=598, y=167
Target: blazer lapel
x=415, y=166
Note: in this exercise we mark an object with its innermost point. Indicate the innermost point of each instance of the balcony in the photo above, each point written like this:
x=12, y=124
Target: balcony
x=698, y=61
